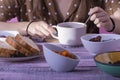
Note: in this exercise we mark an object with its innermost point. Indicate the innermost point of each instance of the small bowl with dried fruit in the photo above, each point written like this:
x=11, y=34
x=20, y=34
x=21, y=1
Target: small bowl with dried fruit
x=60, y=59
x=99, y=43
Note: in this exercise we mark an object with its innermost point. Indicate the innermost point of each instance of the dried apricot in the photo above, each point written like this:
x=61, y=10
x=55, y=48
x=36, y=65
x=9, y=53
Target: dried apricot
x=65, y=53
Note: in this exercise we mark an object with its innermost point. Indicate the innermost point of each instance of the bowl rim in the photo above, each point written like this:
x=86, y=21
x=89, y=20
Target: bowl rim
x=76, y=59
x=83, y=38
x=103, y=62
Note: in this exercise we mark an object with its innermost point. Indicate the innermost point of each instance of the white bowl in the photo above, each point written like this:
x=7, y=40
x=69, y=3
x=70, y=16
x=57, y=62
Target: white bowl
x=111, y=43
x=58, y=62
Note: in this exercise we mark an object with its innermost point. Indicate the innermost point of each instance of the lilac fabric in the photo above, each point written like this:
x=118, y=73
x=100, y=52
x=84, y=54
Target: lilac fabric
x=38, y=69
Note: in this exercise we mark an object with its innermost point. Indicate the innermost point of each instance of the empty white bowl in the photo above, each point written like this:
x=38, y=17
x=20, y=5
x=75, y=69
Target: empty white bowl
x=110, y=42
x=58, y=62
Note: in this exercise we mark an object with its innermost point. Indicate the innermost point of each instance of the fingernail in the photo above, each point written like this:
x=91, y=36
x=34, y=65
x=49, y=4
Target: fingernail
x=89, y=13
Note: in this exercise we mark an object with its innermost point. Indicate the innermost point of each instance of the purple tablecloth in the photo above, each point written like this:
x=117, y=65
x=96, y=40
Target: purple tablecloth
x=38, y=69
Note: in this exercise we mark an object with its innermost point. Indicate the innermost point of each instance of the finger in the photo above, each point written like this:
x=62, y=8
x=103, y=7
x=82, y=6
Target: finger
x=43, y=31
x=38, y=33
x=47, y=29
x=97, y=15
x=95, y=10
x=44, y=25
x=100, y=19
x=52, y=30
x=42, y=28
x=101, y=24
x=36, y=30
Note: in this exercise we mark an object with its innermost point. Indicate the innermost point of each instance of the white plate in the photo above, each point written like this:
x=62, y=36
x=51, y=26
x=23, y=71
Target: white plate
x=8, y=33
x=19, y=58
x=13, y=33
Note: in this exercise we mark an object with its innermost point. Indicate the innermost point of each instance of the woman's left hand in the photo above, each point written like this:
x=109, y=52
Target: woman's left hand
x=100, y=18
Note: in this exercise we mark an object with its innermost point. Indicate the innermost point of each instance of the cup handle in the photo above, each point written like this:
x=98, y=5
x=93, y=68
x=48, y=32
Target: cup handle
x=52, y=34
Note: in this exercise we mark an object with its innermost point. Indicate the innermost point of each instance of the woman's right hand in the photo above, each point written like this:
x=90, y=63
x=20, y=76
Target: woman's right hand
x=101, y=18
x=40, y=29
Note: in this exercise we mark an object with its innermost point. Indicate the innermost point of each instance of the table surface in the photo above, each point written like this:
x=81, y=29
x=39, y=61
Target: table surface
x=38, y=69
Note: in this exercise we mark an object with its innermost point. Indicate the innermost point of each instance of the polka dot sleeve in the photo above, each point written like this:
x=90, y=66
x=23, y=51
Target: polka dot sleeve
x=8, y=9
x=112, y=6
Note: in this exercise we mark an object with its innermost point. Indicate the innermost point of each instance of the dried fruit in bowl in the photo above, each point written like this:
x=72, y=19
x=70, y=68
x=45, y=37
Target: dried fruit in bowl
x=65, y=53
x=115, y=63
x=96, y=39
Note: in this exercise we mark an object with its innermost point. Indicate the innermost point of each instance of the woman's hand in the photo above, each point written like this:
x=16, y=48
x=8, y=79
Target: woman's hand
x=40, y=29
x=101, y=18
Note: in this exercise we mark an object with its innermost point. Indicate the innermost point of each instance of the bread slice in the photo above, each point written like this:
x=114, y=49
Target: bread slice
x=27, y=43
x=6, y=50
x=11, y=41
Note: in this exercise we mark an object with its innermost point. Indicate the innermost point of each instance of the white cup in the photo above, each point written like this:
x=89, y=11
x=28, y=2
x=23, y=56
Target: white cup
x=69, y=33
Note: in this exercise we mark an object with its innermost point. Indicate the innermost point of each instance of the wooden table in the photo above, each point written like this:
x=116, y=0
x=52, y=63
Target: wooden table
x=38, y=69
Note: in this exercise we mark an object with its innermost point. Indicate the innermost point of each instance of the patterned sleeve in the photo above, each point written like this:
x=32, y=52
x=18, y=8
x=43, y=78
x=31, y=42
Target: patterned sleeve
x=112, y=6
x=8, y=9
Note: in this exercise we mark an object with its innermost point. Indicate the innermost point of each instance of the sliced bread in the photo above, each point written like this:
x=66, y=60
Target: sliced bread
x=11, y=41
x=27, y=43
x=6, y=50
